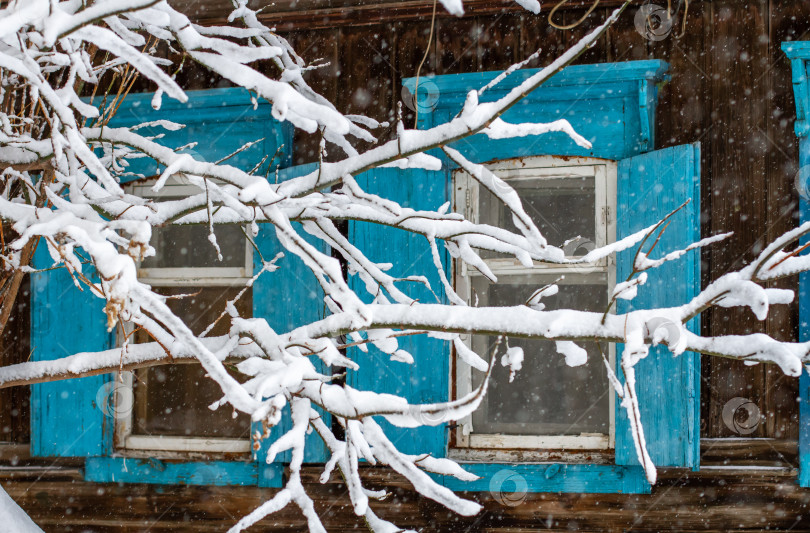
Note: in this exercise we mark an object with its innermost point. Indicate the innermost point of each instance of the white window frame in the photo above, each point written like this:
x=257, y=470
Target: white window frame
x=177, y=186
x=466, y=199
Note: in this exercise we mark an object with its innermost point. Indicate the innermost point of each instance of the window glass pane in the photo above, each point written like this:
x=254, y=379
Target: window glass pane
x=173, y=399
x=562, y=209
x=188, y=246
x=547, y=396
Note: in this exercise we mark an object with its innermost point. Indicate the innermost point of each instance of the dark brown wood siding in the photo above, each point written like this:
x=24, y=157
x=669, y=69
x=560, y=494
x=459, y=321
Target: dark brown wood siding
x=713, y=502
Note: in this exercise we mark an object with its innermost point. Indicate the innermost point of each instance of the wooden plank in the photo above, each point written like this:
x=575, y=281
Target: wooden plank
x=738, y=184
x=411, y=43
x=287, y=17
x=499, y=43
x=626, y=43
x=15, y=411
x=682, y=111
x=772, y=453
x=681, y=501
x=312, y=46
x=782, y=199
x=366, y=68
x=536, y=34
x=457, y=46
x=596, y=53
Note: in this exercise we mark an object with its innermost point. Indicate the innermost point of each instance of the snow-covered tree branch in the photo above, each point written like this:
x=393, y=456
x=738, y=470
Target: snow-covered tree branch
x=62, y=164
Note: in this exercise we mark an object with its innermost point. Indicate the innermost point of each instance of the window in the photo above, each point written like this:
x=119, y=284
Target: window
x=571, y=201
x=612, y=105
x=170, y=402
x=72, y=418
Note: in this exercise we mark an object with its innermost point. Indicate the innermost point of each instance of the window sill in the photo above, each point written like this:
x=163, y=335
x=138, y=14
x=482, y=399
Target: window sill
x=509, y=480
x=158, y=472
x=478, y=455
x=159, y=445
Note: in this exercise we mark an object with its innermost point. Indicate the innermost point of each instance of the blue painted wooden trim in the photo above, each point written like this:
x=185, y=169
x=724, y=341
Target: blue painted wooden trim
x=574, y=75
x=223, y=118
x=509, y=481
x=799, y=53
x=157, y=472
x=649, y=187
x=804, y=397
x=271, y=475
x=611, y=104
x=796, y=49
x=69, y=418
x=804, y=330
x=427, y=379
x=294, y=290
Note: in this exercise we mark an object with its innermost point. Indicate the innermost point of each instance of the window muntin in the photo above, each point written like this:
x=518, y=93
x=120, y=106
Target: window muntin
x=546, y=406
x=171, y=402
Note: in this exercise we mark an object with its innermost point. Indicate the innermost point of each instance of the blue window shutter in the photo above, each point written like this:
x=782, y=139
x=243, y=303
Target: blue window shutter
x=649, y=187
x=66, y=418
x=427, y=379
x=804, y=331
x=288, y=298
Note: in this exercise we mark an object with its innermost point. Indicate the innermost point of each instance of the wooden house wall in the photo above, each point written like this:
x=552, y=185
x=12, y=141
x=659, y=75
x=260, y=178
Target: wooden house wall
x=730, y=89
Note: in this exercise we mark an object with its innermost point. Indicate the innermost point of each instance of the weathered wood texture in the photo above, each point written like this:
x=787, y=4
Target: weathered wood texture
x=722, y=500
x=15, y=407
x=318, y=14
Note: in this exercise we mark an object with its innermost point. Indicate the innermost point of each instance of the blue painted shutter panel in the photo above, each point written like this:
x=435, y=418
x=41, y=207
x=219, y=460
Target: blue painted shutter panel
x=427, y=379
x=649, y=187
x=804, y=327
x=66, y=417
x=288, y=298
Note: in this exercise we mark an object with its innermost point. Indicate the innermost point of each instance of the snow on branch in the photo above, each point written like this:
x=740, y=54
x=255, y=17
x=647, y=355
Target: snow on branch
x=62, y=166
